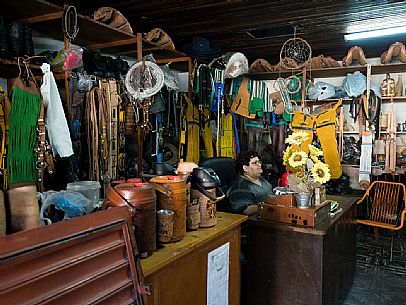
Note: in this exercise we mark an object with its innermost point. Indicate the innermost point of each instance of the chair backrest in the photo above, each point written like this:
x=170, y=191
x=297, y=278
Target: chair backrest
x=385, y=205
x=224, y=168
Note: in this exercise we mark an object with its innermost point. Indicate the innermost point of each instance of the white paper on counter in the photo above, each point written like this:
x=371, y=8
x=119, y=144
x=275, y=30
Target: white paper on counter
x=218, y=265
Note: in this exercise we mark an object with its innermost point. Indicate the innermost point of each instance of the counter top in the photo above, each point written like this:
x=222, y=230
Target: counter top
x=167, y=253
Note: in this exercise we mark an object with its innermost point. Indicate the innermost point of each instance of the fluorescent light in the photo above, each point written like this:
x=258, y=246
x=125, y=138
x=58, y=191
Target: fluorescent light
x=375, y=33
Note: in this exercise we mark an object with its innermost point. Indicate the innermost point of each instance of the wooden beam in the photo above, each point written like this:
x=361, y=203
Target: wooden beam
x=152, y=49
x=42, y=18
x=116, y=43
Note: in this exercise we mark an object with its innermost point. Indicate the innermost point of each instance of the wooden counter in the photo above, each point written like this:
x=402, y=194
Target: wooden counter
x=178, y=271
x=289, y=264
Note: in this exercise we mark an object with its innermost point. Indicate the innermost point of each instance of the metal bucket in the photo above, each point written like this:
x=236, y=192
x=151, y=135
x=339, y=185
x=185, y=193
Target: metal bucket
x=302, y=200
x=165, y=225
x=171, y=195
x=141, y=199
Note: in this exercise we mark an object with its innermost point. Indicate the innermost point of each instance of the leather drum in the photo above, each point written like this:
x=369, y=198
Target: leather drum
x=171, y=195
x=140, y=198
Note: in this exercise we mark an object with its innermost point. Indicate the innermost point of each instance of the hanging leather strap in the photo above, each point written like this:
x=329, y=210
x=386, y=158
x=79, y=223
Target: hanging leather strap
x=4, y=126
x=44, y=158
x=92, y=127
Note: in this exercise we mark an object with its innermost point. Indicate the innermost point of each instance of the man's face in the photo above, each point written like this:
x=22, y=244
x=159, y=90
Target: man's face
x=254, y=168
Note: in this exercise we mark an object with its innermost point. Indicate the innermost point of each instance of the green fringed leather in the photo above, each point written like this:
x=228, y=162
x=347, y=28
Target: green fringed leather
x=24, y=113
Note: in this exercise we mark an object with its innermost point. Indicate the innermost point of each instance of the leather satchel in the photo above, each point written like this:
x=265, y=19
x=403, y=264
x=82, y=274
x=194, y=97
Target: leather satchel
x=159, y=37
x=113, y=18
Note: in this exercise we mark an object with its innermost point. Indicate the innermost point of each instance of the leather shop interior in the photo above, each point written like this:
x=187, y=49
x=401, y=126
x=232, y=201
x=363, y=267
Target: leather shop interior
x=202, y=152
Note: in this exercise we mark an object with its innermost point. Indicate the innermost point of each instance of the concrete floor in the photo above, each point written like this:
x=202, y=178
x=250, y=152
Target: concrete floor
x=378, y=281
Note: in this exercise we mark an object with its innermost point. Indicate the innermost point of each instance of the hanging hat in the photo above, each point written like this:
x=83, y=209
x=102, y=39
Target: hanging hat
x=144, y=79
x=236, y=64
x=201, y=48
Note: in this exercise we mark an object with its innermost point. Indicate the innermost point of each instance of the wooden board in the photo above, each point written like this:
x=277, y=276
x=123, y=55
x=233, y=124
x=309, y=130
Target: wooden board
x=178, y=271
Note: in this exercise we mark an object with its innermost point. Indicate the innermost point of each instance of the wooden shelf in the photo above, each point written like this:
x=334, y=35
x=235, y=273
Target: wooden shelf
x=396, y=99
x=9, y=69
x=46, y=18
x=382, y=132
x=331, y=72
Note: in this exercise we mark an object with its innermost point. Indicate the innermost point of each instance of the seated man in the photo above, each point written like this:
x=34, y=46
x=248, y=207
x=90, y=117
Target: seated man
x=250, y=188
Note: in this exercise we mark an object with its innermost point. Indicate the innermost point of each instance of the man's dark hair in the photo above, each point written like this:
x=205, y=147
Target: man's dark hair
x=244, y=158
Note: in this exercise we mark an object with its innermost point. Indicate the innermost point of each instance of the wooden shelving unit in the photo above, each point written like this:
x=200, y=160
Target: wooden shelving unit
x=331, y=72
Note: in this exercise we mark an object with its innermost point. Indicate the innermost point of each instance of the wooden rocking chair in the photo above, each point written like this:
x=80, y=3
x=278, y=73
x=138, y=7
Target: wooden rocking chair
x=384, y=206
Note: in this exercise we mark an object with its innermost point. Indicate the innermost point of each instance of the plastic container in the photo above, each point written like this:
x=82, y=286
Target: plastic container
x=89, y=189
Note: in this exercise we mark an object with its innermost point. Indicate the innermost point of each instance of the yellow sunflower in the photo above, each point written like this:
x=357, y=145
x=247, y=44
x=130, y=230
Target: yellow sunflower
x=297, y=138
x=321, y=172
x=286, y=155
x=314, y=151
x=298, y=158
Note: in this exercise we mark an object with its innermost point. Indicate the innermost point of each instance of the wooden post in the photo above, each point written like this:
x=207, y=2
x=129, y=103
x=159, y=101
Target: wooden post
x=66, y=45
x=140, y=131
x=303, y=87
x=190, y=77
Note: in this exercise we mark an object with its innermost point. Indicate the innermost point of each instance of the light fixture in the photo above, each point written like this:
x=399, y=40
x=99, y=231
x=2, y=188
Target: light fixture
x=375, y=33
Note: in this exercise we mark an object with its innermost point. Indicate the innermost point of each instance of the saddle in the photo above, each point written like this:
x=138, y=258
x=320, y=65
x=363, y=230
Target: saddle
x=113, y=18
x=396, y=49
x=321, y=61
x=354, y=53
x=159, y=37
x=261, y=65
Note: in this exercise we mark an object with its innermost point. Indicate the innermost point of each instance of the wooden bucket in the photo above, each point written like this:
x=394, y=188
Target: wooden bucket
x=24, y=208
x=171, y=195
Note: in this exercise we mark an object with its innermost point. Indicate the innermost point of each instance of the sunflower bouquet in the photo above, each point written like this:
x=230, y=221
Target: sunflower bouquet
x=303, y=161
